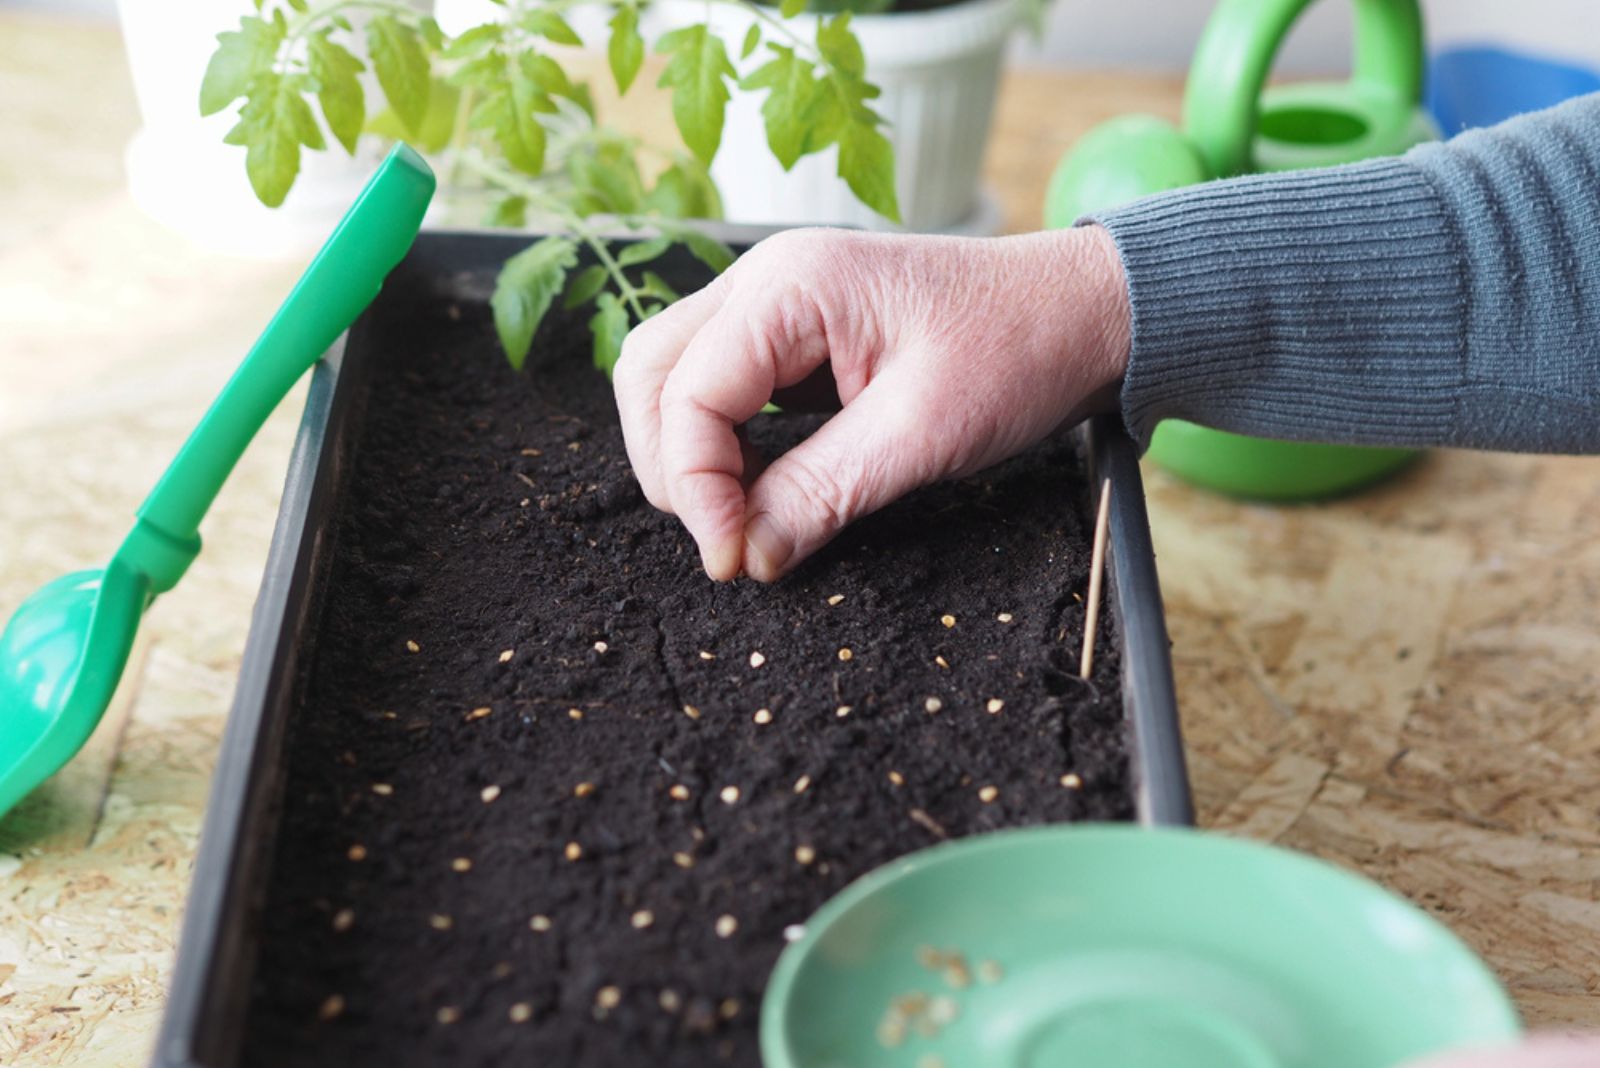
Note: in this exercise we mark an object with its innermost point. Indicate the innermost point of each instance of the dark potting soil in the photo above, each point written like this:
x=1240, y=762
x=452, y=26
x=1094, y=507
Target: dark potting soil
x=554, y=797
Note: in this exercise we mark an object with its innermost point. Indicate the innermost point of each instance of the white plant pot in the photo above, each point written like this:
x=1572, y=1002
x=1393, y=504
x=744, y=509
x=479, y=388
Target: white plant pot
x=181, y=173
x=939, y=71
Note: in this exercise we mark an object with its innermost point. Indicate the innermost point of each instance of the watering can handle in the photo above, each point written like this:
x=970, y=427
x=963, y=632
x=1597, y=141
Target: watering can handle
x=1236, y=52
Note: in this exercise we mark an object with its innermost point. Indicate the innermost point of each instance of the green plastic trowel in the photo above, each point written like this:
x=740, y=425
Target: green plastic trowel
x=64, y=650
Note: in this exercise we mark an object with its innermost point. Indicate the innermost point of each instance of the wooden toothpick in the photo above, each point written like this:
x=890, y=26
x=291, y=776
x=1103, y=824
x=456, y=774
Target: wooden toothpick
x=1096, y=569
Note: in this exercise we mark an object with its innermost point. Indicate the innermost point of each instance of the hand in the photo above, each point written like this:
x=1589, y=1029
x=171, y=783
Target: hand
x=947, y=355
x=1548, y=1051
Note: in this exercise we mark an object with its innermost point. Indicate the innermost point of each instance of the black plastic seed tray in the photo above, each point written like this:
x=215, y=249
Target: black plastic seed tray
x=216, y=957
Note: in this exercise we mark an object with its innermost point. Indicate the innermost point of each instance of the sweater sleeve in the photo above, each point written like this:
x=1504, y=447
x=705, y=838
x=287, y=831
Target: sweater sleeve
x=1450, y=296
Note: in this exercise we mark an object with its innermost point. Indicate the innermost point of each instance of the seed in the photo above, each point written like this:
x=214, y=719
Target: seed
x=933, y=704
x=382, y=789
x=521, y=1012
x=358, y=852
x=683, y=860
x=574, y=713
x=669, y=1001
x=943, y=1010
x=414, y=647
x=343, y=919
x=802, y=784
x=332, y=1007
x=489, y=793
x=957, y=974
x=987, y=794
x=540, y=923
x=794, y=932
x=930, y=1060
x=608, y=997
x=461, y=864
x=757, y=659
x=845, y=654
x=726, y=926
x=440, y=922
x=948, y=621
x=729, y=1008
x=842, y=711
x=601, y=647
x=478, y=713
x=679, y=792
x=897, y=778
x=989, y=971
x=507, y=654
x=942, y=662
x=835, y=599
x=1004, y=617
x=691, y=711
x=995, y=705
x=390, y=715
x=805, y=854
x=763, y=716
x=574, y=851
x=891, y=1030
x=583, y=789
x=448, y=1015
x=729, y=795
x=707, y=656
x=1071, y=780
x=643, y=918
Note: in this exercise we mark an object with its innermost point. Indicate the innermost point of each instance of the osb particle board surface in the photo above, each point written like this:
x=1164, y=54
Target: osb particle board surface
x=1403, y=683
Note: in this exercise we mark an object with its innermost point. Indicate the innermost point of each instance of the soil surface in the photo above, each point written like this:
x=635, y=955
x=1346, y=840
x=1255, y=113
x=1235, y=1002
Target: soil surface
x=554, y=797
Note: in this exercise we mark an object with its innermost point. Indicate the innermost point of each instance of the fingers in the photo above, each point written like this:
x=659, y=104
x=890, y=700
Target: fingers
x=868, y=455
x=726, y=374
x=648, y=355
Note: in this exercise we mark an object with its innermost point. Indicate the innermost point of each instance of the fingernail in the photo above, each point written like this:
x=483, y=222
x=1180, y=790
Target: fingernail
x=768, y=542
x=722, y=562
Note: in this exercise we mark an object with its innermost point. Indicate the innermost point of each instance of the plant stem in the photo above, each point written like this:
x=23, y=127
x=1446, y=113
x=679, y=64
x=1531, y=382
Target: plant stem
x=514, y=183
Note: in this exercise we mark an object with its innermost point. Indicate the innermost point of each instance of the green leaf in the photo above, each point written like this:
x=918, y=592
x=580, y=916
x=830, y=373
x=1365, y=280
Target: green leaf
x=510, y=212
x=475, y=41
x=697, y=74
x=242, y=55
x=401, y=64
x=656, y=286
x=685, y=190
x=511, y=110
x=643, y=251
x=438, y=124
x=790, y=8
x=545, y=23
x=607, y=177
x=609, y=326
x=344, y=104
x=589, y=281
x=274, y=122
x=626, y=48
x=428, y=27
x=300, y=6
x=838, y=45
x=866, y=163
x=527, y=284
x=796, y=105
x=707, y=249
x=752, y=38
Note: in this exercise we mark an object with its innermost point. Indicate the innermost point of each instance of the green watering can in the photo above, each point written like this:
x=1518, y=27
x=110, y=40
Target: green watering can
x=64, y=649
x=1232, y=127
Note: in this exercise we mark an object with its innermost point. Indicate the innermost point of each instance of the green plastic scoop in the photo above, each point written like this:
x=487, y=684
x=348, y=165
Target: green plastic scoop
x=1122, y=947
x=64, y=649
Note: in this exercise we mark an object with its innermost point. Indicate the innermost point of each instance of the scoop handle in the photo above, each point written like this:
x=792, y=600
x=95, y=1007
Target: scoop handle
x=341, y=281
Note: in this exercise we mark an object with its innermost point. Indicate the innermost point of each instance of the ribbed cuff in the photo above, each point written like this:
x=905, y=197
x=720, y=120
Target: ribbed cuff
x=1320, y=305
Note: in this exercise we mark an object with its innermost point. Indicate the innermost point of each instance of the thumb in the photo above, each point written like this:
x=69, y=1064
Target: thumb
x=871, y=453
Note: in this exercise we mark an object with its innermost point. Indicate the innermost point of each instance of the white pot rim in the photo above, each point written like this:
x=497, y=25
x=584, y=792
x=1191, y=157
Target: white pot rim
x=898, y=38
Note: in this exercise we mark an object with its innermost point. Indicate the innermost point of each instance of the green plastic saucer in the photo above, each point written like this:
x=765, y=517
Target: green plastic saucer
x=1122, y=947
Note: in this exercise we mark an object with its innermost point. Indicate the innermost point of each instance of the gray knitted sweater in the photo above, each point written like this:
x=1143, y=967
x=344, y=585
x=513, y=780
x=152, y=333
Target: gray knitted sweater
x=1450, y=296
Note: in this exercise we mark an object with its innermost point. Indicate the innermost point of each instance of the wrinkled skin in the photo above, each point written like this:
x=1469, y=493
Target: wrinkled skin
x=946, y=355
